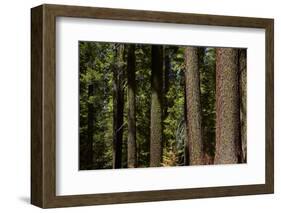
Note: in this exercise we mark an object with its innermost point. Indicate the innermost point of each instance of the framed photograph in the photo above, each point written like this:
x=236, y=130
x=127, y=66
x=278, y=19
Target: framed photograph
x=136, y=106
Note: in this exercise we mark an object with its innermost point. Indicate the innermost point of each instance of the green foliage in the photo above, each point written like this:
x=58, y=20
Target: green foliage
x=208, y=85
x=173, y=149
x=143, y=102
x=96, y=65
x=95, y=68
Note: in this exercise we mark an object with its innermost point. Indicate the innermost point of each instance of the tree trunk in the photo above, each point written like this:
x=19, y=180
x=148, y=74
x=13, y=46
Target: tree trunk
x=118, y=107
x=227, y=106
x=166, y=81
x=186, y=146
x=156, y=106
x=243, y=102
x=90, y=128
x=132, y=146
x=194, y=122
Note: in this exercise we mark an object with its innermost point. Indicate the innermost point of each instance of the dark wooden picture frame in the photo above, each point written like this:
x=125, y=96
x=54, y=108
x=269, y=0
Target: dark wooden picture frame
x=43, y=105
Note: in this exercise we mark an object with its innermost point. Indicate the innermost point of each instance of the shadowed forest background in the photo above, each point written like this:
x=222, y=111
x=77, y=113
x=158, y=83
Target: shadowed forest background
x=146, y=105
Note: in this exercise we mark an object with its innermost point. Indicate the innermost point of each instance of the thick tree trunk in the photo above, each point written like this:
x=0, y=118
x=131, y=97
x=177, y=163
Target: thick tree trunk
x=194, y=122
x=132, y=146
x=156, y=106
x=118, y=107
x=186, y=146
x=243, y=102
x=227, y=106
x=166, y=81
x=204, y=127
x=90, y=127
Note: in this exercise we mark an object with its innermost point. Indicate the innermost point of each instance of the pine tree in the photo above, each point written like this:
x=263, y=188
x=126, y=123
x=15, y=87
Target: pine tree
x=131, y=69
x=227, y=106
x=118, y=106
x=156, y=106
x=90, y=127
x=193, y=105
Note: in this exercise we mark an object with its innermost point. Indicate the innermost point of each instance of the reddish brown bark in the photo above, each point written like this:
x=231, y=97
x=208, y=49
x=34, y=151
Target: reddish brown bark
x=227, y=106
x=193, y=105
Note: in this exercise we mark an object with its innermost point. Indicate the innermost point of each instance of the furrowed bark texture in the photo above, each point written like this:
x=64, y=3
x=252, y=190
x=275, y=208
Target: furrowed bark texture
x=243, y=101
x=156, y=106
x=166, y=85
x=193, y=105
x=227, y=106
x=132, y=146
x=186, y=149
x=118, y=108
